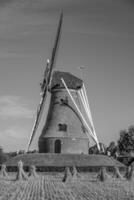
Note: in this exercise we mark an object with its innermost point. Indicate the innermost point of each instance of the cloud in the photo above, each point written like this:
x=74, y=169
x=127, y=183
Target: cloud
x=5, y=2
x=14, y=107
x=14, y=138
x=16, y=132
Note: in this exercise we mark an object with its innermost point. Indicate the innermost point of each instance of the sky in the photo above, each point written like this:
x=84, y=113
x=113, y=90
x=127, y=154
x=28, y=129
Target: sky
x=97, y=34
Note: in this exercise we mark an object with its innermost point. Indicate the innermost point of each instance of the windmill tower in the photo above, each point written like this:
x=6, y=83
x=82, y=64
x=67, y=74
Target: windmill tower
x=64, y=130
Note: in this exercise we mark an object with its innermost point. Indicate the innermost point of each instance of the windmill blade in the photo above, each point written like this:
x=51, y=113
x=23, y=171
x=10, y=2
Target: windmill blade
x=46, y=81
x=52, y=61
x=55, y=48
x=39, y=110
x=38, y=117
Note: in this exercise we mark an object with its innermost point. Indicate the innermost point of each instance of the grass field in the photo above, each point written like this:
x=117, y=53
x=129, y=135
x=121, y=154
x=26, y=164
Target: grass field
x=50, y=187
x=49, y=159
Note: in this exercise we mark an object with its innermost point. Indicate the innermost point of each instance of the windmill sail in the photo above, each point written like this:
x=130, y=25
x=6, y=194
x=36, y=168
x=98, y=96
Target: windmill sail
x=46, y=81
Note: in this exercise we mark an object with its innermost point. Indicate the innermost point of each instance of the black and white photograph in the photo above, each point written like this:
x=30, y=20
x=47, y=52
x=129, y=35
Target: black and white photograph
x=66, y=99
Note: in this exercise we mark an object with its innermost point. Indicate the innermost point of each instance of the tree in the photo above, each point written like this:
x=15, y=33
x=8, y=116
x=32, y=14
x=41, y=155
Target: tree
x=126, y=140
x=112, y=148
x=94, y=149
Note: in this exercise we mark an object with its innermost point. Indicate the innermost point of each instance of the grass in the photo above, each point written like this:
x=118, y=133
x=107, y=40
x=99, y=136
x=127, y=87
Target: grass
x=49, y=186
x=60, y=160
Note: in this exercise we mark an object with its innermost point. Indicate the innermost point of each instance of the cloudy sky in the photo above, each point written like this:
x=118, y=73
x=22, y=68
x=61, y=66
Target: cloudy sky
x=97, y=34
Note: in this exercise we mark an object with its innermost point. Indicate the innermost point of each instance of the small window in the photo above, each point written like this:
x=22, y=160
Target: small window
x=62, y=127
x=64, y=101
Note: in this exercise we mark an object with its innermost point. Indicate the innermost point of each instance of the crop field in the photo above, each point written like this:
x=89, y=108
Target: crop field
x=51, y=187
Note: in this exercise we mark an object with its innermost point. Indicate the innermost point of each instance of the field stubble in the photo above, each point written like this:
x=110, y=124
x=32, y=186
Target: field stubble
x=51, y=187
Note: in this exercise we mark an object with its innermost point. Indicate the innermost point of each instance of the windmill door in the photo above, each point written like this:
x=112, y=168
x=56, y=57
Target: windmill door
x=57, y=146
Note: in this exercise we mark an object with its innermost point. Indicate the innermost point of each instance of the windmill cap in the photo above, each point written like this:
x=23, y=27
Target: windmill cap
x=71, y=81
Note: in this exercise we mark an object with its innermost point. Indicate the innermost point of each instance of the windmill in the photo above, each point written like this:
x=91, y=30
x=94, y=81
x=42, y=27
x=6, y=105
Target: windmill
x=66, y=130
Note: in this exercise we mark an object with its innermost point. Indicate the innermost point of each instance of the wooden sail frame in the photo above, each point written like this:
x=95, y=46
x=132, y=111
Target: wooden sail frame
x=46, y=81
x=91, y=130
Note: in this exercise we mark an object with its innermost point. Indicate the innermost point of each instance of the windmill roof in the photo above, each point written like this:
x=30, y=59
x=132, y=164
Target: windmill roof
x=71, y=81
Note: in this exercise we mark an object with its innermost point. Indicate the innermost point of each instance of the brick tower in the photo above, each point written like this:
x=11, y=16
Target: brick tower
x=63, y=131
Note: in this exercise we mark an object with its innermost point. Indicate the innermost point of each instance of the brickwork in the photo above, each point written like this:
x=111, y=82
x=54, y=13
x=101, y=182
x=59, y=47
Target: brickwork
x=68, y=145
x=63, y=123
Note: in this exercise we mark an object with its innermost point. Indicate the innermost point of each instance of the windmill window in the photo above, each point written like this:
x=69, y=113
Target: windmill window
x=62, y=127
x=64, y=101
